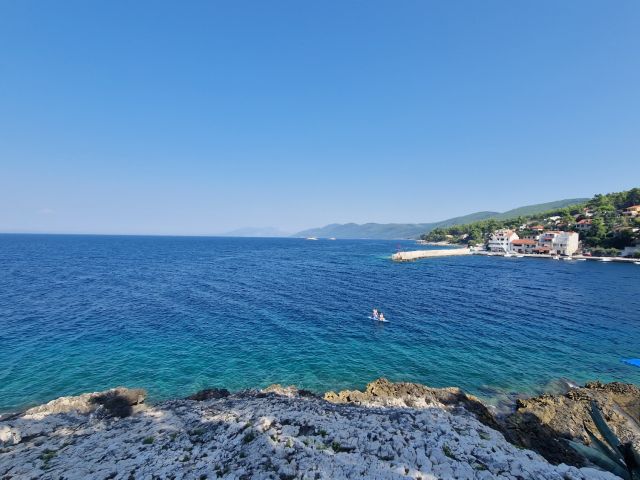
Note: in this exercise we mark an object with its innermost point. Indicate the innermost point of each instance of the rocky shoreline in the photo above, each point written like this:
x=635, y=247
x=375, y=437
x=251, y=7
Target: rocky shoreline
x=389, y=431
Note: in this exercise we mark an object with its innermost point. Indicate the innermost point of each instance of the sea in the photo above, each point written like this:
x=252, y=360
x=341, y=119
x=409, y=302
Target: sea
x=174, y=315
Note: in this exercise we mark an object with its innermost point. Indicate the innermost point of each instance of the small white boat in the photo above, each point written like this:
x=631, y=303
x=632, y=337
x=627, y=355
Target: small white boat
x=519, y=256
x=568, y=259
x=637, y=263
x=507, y=254
x=605, y=259
x=581, y=259
x=332, y=238
x=556, y=257
x=312, y=238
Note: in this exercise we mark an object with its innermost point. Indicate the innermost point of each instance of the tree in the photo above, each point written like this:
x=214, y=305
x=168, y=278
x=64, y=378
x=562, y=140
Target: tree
x=598, y=229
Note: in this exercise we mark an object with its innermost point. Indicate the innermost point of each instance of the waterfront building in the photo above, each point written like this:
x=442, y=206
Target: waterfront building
x=565, y=243
x=523, y=245
x=501, y=240
x=555, y=242
x=546, y=239
x=529, y=235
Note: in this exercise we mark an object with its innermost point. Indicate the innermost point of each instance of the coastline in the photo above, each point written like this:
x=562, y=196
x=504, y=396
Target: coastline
x=411, y=255
x=573, y=257
x=390, y=430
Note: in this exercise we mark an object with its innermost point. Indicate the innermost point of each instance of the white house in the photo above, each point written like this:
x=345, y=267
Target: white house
x=565, y=243
x=501, y=240
x=546, y=239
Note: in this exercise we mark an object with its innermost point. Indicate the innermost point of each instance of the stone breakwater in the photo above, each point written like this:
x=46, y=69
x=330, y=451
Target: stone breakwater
x=390, y=431
x=418, y=254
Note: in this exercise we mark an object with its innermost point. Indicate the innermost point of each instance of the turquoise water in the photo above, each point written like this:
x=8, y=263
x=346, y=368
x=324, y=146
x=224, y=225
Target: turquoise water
x=174, y=315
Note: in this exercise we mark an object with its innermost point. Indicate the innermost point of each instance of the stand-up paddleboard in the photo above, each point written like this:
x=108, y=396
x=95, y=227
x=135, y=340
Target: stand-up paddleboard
x=378, y=320
x=632, y=361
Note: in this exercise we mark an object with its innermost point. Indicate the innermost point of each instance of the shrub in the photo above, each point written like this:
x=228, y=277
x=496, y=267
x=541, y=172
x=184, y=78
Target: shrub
x=249, y=437
x=47, y=455
x=605, y=252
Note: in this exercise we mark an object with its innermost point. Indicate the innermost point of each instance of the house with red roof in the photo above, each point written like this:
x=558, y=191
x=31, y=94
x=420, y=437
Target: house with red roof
x=584, y=224
x=632, y=211
x=523, y=245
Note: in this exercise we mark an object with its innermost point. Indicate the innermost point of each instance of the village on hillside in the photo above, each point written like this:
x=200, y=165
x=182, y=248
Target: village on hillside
x=605, y=226
x=536, y=239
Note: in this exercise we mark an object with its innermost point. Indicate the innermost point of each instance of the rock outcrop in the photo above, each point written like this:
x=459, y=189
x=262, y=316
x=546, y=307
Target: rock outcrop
x=90, y=402
x=45, y=419
x=277, y=434
x=388, y=431
x=541, y=423
x=209, y=393
x=384, y=393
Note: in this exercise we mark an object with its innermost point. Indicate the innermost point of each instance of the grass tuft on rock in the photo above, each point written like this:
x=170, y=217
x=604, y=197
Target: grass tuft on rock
x=249, y=437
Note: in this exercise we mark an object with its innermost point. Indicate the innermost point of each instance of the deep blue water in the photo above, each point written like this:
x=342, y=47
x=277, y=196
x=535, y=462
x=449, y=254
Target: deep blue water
x=174, y=315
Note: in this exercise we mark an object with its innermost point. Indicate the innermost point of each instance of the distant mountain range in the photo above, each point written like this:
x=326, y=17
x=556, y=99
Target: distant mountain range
x=394, y=231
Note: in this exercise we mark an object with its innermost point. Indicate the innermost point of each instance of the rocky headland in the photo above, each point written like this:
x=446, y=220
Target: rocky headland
x=388, y=431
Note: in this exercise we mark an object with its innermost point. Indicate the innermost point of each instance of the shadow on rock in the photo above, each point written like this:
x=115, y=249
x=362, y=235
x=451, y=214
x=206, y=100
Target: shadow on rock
x=208, y=394
x=541, y=423
x=118, y=402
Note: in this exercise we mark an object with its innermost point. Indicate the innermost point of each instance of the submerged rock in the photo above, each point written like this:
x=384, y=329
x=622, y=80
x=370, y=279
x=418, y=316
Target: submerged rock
x=290, y=391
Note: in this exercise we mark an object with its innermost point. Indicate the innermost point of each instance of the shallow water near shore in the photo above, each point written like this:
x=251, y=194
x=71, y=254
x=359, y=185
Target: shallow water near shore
x=178, y=314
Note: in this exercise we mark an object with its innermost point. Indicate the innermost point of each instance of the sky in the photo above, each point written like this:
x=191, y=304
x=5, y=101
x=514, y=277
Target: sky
x=195, y=118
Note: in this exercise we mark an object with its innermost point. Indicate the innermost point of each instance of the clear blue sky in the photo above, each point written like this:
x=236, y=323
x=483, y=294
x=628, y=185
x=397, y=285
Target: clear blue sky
x=202, y=117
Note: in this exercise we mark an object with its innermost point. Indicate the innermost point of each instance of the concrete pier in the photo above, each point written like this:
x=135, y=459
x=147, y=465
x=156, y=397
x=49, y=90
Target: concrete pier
x=417, y=254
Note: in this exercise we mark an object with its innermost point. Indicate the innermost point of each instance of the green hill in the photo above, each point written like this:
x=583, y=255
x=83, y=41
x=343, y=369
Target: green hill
x=393, y=231
x=539, y=208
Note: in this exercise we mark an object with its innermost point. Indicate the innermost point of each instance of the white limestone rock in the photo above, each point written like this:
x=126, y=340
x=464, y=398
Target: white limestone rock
x=258, y=435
